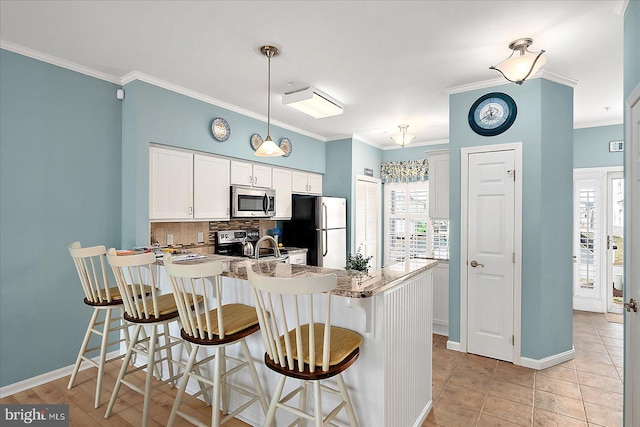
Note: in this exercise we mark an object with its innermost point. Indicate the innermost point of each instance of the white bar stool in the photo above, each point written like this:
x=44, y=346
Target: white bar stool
x=301, y=348
x=217, y=325
x=90, y=265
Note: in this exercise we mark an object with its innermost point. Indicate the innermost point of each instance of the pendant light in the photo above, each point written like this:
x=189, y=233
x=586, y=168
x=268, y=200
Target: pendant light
x=402, y=138
x=269, y=148
x=518, y=68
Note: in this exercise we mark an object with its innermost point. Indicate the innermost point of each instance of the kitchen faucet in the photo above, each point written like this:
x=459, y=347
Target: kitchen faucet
x=276, y=250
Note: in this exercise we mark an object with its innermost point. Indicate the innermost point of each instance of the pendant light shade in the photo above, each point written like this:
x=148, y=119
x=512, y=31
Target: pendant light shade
x=518, y=67
x=403, y=138
x=269, y=148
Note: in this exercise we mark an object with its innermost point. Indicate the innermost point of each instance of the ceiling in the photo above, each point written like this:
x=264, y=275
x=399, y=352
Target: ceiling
x=388, y=62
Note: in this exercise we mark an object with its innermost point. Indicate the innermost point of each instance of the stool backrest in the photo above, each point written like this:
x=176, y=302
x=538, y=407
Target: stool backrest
x=287, y=307
x=190, y=281
x=90, y=264
x=135, y=277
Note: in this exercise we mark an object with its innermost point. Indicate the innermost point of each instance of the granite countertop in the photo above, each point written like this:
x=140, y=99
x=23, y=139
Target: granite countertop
x=350, y=283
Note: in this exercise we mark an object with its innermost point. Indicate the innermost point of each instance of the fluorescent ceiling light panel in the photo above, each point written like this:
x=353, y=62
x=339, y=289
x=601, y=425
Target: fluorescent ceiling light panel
x=313, y=102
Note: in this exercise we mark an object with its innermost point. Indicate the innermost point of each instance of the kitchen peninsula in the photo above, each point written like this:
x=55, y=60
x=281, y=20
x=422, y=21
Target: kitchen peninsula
x=390, y=383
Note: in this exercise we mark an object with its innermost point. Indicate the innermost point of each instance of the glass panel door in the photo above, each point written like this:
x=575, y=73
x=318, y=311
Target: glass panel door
x=615, y=242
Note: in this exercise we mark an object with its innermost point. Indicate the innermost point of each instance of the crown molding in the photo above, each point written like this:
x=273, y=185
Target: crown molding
x=620, y=7
x=542, y=74
x=585, y=125
x=136, y=75
x=416, y=144
x=50, y=59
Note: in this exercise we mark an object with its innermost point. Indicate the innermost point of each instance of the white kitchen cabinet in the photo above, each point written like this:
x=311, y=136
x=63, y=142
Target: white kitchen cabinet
x=439, y=184
x=210, y=188
x=170, y=184
x=441, y=298
x=250, y=175
x=306, y=183
x=281, y=181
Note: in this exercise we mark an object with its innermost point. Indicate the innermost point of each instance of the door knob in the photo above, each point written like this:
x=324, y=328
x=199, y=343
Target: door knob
x=475, y=263
x=631, y=305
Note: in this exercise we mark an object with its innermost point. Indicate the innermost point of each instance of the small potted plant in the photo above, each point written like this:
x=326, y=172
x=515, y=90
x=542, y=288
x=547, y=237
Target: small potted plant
x=358, y=263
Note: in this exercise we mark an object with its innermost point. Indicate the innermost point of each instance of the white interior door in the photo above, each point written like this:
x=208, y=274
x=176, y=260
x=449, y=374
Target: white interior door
x=367, y=224
x=490, y=254
x=632, y=257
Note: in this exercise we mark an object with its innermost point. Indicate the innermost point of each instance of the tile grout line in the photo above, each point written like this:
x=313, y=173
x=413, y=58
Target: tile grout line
x=486, y=394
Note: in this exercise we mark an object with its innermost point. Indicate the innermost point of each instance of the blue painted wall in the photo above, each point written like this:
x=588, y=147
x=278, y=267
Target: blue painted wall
x=547, y=194
x=60, y=165
x=591, y=146
x=155, y=115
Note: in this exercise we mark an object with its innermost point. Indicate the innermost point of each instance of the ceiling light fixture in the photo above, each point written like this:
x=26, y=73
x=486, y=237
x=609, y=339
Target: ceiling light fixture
x=518, y=68
x=269, y=148
x=402, y=138
x=313, y=102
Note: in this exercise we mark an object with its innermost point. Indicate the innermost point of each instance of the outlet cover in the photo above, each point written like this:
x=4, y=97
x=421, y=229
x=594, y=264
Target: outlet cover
x=169, y=239
x=200, y=237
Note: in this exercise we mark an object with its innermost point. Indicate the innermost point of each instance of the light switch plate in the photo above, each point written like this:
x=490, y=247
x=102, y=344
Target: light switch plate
x=169, y=239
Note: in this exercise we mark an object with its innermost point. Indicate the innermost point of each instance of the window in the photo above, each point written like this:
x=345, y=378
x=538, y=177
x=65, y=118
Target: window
x=409, y=232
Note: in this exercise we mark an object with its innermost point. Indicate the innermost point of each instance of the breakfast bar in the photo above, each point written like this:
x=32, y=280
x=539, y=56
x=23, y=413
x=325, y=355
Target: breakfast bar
x=390, y=383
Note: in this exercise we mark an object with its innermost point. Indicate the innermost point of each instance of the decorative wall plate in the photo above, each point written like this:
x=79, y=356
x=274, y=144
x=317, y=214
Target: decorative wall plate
x=286, y=146
x=220, y=129
x=256, y=141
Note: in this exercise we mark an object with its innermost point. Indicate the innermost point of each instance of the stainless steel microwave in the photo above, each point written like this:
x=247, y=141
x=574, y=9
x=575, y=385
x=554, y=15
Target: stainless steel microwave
x=247, y=202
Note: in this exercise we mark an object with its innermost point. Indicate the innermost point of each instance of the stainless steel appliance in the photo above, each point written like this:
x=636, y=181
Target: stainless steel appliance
x=236, y=242
x=247, y=202
x=320, y=225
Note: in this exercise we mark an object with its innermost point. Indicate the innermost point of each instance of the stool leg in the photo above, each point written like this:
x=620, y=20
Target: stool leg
x=169, y=351
x=303, y=402
x=215, y=399
x=151, y=363
x=83, y=347
x=254, y=376
x=224, y=392
x=123, y=370
x=183, y=385
x=103, y=354
x=317, y=404
x=353, y=422
x=271, y=414
x=196, y=369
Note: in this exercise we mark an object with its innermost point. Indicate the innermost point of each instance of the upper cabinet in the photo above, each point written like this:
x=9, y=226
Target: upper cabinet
x=210, y=187
x=306, y=183
x=439, y=184
x=170, y=184
x=281, y=180
x=184, y=186
x=250, y=175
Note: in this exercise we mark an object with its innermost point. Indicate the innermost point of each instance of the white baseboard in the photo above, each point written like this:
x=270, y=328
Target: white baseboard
x=424, y=414
x=32, y=382
x=441, y=328
x=547, y=362
x=453, y=345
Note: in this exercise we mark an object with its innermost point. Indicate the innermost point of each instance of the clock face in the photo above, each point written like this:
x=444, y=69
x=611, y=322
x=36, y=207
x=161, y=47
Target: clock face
x=492, y=114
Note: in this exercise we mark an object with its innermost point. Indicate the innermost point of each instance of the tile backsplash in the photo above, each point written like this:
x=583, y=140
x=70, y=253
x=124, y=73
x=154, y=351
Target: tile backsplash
x=186, y=233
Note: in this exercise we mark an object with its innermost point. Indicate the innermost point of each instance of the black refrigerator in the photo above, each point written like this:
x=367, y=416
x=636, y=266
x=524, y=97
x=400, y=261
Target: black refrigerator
x=320, y=225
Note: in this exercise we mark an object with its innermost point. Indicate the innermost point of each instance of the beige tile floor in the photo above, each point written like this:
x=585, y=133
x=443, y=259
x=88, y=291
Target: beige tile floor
x=470, y=390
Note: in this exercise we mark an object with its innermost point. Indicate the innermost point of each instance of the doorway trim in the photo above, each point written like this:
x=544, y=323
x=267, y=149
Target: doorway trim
x=464, y=227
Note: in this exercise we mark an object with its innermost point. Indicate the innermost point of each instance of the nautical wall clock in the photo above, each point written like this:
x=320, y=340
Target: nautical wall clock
x=492, y=114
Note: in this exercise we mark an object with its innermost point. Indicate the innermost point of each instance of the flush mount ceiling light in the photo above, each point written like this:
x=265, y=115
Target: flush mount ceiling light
x=269, y=148
x=313, y=102
x=517, y=68
x=403, y=138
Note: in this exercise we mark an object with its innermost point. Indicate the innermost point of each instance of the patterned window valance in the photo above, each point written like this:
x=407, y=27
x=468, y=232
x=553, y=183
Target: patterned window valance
x=405, y=171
